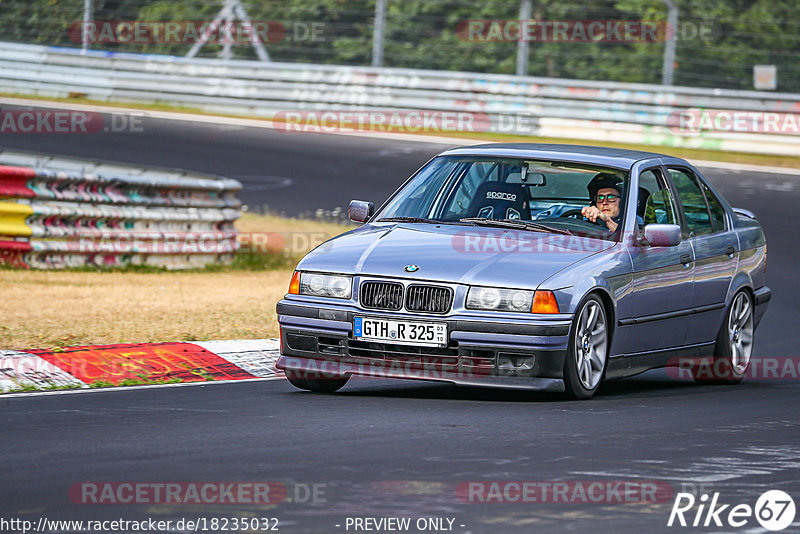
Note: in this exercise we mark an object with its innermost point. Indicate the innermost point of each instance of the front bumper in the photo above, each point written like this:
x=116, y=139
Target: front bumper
x=481, y=351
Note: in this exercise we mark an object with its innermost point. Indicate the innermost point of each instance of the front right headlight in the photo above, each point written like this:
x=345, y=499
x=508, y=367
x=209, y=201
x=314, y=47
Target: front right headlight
x=325, y=285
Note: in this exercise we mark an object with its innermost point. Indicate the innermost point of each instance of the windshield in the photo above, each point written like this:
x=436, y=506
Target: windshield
x=479, y=190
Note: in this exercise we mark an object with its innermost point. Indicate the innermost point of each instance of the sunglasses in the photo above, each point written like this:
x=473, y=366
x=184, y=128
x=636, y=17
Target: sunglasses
x=610, y=198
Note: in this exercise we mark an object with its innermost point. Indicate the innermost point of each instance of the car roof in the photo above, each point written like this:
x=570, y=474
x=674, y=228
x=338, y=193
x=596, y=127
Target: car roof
x=621, y=158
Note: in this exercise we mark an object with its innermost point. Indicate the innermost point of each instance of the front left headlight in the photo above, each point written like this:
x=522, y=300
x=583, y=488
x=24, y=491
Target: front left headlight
x=492, y=298
x=326, y=285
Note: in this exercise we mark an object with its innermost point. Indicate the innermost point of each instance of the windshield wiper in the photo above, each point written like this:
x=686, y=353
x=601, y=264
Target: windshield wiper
x=515, y=223
x=408, y=219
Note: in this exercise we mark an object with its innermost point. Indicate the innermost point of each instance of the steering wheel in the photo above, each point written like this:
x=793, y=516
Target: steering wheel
x=573, y=213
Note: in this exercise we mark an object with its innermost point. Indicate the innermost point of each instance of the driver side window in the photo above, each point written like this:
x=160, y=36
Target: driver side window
x=655, y=204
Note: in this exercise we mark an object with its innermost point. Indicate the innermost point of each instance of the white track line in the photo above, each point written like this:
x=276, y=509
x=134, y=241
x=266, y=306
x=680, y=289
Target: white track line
x=266, y=123
x=130, y=388
x=745, y=167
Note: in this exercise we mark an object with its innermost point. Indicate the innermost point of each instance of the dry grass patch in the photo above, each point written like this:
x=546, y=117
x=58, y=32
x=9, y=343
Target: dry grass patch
x=253, y=222
x=48, y=309
x=45, y=309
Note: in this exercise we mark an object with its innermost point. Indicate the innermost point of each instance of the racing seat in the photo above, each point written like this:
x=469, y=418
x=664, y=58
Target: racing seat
x=500, y=200
x=641, y=203
x=655, y=210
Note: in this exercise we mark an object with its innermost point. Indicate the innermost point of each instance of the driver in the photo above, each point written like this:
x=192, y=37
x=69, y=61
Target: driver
x=605, y=196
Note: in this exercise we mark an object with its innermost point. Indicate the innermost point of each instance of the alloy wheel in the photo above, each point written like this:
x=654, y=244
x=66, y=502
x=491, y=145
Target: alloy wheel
x=740, y=332
x=590, y=344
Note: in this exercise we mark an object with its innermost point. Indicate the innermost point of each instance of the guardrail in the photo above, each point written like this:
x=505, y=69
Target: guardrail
x=550, y=107
x=59, y=212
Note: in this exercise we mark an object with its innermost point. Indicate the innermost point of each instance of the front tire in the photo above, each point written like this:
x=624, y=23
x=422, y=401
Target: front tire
x=734, y=345
x=324, y=384
x=585, y=363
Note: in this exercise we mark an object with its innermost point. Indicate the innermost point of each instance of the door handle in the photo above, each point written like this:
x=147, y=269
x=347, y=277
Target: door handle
x=730, y=251
x=686, y=258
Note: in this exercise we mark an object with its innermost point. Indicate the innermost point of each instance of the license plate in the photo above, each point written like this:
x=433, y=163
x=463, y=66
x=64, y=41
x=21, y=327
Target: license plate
x=424, y=334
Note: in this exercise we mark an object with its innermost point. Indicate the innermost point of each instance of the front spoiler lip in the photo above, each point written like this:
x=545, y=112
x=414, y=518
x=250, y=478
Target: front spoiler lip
x=312, y=365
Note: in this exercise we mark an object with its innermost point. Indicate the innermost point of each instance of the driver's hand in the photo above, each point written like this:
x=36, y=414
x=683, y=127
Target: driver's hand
x=592, y=213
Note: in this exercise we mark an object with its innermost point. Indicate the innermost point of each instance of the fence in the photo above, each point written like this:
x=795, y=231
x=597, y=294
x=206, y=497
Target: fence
x=717, y=43
x=58, y=212
x=546, y=107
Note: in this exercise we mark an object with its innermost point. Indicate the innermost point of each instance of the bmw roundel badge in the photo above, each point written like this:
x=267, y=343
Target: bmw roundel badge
x=411, y=268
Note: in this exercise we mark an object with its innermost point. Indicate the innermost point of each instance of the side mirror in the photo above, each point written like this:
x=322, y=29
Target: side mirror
x=360, y=211
x=662, y=235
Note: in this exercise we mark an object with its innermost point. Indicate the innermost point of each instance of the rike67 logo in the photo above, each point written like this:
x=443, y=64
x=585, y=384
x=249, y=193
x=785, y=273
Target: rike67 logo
x=774, y=510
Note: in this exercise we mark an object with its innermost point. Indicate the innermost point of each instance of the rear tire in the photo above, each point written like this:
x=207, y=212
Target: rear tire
x=587, y=351
x=734, y=345
x=325, y=384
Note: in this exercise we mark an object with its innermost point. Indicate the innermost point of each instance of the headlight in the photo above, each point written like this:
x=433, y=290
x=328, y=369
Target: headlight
x=490, y=298
x=326, y=285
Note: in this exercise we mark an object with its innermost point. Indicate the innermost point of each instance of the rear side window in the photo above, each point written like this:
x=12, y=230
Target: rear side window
x=716, y=209
x=698, y=216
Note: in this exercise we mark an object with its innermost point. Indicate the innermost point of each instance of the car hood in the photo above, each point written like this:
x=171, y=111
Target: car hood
x=452, y=253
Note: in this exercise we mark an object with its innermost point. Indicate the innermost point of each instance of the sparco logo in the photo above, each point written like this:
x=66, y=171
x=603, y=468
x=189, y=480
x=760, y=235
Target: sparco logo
x=502, y=196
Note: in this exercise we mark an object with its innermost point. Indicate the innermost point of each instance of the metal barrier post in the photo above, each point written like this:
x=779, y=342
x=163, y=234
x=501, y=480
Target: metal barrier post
x=523, y=45
x=669, y=47
x=378, y=33
x=87, y=17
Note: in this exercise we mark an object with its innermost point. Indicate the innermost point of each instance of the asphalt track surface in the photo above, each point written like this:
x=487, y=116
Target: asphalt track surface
x=395, y=448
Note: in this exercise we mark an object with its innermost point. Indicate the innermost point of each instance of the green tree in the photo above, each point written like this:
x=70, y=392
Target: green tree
x=719, y=41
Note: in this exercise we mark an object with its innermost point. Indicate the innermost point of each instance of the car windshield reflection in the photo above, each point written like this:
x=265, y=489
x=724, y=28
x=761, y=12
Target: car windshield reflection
x=537, y=195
